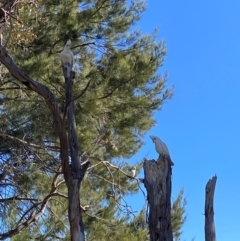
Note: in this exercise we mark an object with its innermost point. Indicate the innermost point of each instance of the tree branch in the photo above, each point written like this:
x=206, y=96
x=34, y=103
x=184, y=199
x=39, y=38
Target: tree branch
x=51, y=102
x=33, y=218
x=9, y=137
x=17, y=198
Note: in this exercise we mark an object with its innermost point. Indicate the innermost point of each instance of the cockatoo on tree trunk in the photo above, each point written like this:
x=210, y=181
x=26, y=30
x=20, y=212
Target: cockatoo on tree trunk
x=161, y=148
x=67, y=55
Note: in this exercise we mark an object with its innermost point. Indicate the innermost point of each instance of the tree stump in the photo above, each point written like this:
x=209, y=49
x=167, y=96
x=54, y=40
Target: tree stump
x=210, y=234
x=157, y=180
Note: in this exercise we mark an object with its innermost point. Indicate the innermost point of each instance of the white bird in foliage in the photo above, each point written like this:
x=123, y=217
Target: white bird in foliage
x=67, y=55
x=133, y=172
x=161, y=147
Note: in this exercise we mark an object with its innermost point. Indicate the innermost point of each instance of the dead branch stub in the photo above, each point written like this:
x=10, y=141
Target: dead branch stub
x=210, y=234
x=157, y=180
x=77, y=169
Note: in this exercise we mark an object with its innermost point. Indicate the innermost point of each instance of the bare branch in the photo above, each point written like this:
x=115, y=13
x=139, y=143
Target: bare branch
x=9, y=137
x=9, y=32
x=33, y=217
x=18, y=198
x=83, y=91
x=98, y=9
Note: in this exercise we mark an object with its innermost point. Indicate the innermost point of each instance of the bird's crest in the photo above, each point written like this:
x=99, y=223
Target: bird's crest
x=153, y=138
x=68, y=43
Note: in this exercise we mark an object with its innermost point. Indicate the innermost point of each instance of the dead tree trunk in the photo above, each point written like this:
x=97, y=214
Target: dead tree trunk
x=210, y=234
x=78, y=169
x=157, y=180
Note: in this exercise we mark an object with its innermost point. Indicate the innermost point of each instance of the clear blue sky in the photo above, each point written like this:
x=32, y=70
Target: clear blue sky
x=201, y=123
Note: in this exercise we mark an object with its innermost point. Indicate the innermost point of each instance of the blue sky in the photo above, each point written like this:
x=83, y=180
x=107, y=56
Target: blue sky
x=200, y=124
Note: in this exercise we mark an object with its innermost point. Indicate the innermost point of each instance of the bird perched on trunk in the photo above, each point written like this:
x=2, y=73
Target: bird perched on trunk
x=67, y=55
x=161, y=148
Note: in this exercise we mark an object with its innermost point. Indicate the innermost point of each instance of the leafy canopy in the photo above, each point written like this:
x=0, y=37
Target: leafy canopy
x=116, y=91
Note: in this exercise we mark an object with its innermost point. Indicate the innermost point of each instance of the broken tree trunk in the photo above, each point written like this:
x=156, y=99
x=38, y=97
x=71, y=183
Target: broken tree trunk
x=210, y=234
x=78, y=169
x=157, y=180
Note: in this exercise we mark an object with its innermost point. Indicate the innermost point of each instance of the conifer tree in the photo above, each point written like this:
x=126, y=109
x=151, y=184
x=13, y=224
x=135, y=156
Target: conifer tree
x=116, y=91
x=178, y=215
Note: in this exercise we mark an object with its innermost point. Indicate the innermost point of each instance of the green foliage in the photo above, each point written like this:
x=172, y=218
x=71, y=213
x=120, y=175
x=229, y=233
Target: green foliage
x=178, y=215
x=120, y=229
x=116, y=92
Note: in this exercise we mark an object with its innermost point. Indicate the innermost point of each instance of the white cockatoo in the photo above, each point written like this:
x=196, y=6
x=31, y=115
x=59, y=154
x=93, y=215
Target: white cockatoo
x=161, y=147
x=67, y=55
x=133, y=172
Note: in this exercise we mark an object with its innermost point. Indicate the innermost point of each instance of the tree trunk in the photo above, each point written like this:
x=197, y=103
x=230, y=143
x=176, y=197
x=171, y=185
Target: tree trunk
x=77, y=169
x=210, y=234
x=157, y=180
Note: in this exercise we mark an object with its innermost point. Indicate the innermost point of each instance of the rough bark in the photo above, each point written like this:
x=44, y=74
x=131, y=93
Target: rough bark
x=210, y=234
x=157, y=180
x=77, y=169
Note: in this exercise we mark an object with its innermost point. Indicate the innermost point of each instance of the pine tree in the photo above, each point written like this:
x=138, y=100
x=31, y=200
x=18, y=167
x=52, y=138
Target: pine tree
x=178, y=215
x=116, y=91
